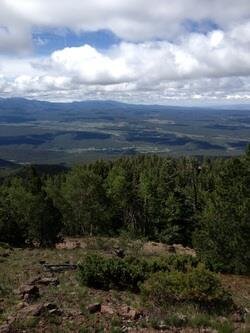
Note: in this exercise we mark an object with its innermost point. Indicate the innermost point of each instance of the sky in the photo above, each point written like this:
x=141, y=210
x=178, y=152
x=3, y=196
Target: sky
x=139, y=51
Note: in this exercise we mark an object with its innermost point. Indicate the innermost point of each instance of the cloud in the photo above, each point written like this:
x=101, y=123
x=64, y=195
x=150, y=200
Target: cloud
x=130, y=20
x=197, y=67
x=90, y=66
x=14, y=39
x=186, y=50
x=216, y=54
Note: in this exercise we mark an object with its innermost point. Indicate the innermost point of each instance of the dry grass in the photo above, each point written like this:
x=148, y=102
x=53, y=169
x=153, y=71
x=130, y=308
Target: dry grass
x=239, y=286
x=24, y=264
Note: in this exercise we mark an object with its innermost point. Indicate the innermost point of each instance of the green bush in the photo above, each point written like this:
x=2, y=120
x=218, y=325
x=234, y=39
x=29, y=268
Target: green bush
x=198, y=286
x=165, y=264
x=5, y=246
x=106, y=273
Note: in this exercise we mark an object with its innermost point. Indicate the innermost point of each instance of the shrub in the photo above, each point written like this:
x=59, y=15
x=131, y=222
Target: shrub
x=5, y=246
x=166, y=264
x=106, y=273
x=202, y=320
x=198, y=285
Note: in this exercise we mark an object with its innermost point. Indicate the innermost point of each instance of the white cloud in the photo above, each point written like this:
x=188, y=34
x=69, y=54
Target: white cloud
x=90, y=66
x=158, y=59
x=195, y=56
x=131, y=20
x=199, y=67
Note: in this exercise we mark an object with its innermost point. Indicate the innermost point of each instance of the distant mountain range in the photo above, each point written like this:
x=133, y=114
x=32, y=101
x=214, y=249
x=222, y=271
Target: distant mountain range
x=19, y=101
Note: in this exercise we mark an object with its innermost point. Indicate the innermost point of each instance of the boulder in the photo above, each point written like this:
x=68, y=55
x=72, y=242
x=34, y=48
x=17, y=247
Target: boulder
x=29, y=293
x=119, y=252
x=59, y=267
x=153, y=248
x=71, y=244
x=39, y=309
x=171, y=249
x=6, y=328
x=35, y=310
x=39, y=280
x=239, y=316
x=48, y=281
x=129, y=313
x=53, y=309
x=21, y=305
x=107, y=309
x=180, y=249
x=93, y=308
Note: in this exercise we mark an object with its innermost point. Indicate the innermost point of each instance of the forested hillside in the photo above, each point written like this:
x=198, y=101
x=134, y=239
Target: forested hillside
x=205, y=205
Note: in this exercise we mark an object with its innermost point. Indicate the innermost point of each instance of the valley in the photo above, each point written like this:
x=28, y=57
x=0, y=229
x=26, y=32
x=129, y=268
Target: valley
x=42, y=132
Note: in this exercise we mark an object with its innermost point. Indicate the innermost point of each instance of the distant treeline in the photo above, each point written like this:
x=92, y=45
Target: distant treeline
x=201, y=204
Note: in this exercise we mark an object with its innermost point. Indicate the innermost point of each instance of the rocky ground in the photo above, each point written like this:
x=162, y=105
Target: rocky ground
x=40, y=292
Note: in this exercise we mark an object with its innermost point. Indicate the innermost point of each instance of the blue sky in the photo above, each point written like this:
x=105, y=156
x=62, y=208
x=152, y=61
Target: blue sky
x=181, y=52
x=45, y=41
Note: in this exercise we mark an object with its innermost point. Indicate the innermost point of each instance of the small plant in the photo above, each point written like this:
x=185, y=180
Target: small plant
x=116, y=324
x=5, y=246
x=85, y=330
x=203, y=320
x=5, y=286
x=176, y=320
x=200, y=320
x=25, y=324
x=198, y=285
x=225, y=327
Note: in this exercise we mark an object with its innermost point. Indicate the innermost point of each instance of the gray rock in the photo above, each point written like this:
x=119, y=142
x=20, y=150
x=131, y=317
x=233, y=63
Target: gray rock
x=35, y=310
x=29, y=293
x=6, y=328
x=129, y=313
x=93, y=308
x=48, y=281
x=107, y=309
x=39, y=309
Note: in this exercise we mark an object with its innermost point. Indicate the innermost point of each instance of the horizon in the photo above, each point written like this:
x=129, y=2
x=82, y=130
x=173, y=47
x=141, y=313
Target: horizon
x=177, y=104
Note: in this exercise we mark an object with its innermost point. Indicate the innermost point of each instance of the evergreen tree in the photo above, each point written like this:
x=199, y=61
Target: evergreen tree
x=84, y=197
x=222, y=240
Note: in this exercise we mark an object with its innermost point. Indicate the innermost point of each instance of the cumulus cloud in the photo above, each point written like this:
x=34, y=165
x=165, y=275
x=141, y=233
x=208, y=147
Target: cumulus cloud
x=160, y=57
x=217, y=54
x=198, y=67
x=90, y=66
